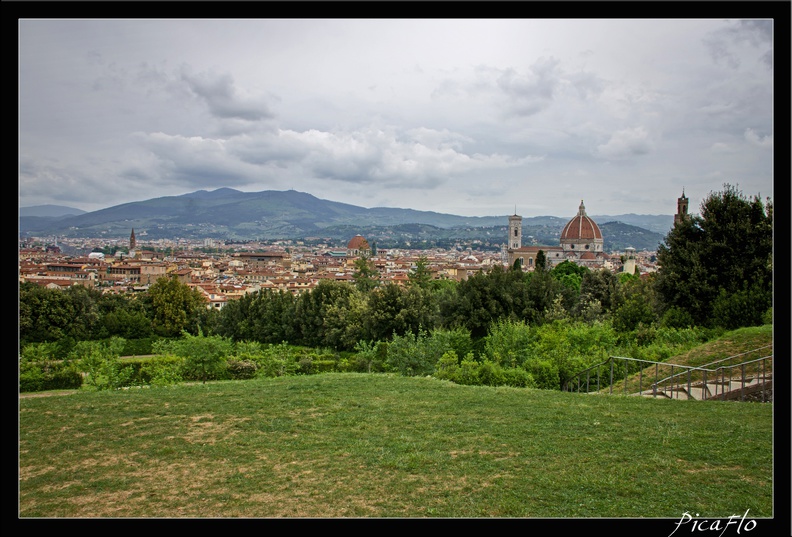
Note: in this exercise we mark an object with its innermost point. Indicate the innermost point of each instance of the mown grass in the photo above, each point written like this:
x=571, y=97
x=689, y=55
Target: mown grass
x=379, y=445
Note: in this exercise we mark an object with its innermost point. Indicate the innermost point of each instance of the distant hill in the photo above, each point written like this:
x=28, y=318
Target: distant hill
x=228, y=214
x=53, y=211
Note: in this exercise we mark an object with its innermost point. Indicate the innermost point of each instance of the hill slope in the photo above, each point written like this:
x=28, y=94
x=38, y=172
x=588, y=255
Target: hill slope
x=229, y=214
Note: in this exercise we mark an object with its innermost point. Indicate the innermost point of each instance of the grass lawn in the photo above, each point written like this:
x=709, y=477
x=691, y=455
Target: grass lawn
x=380, y=445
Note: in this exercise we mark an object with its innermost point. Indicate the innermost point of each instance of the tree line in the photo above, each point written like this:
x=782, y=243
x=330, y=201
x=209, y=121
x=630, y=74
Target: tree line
x=715, y=272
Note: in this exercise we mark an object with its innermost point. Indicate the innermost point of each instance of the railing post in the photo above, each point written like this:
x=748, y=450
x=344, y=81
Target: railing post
x=611, y=377
x=704, y=388
x=654, y=386
x=764, y=379
x=688, y=392
x=742, y=384
x=640, y=380
x=625, y=378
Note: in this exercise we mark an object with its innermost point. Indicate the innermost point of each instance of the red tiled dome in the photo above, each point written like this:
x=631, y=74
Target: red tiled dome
x=581, y=227
x=358, y=243
x=588, y=255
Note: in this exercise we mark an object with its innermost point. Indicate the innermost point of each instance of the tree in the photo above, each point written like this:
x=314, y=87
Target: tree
x=174, y=307
x=204, y=356
x=420, y=275
x=541, y=261
x=724, y=255
x=55, y=315
x=314, y=307
x=365, y=276
x=601, y=286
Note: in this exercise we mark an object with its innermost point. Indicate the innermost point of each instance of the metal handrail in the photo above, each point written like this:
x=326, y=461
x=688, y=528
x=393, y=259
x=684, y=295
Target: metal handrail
x=708, y=368
x=574, y=384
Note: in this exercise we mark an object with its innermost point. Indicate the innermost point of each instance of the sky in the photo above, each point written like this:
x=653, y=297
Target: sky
x=472, y=117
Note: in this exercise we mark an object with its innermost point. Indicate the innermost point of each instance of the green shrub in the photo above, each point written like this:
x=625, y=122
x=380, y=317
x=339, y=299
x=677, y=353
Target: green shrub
x=468, y=372
x=36, y=376
x=746, y=307
x=676, y=317
x=518, y=377
x=490, y=374
x=204, y=356
x=138, y=347
x=447, y=367
x=99, y=360
x=545, y=374
x=417, y=354
x=241, y=369
x=323, y=366
x=370, y=356
x=165, y=370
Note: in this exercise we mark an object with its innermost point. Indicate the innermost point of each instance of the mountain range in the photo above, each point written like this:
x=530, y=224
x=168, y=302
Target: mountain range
x=232, y=215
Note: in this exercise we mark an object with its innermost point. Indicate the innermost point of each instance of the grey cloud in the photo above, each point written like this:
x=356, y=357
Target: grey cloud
x=625, y=143
x=220, y=95
x=761, y=141
x=723, y=43
x=533, y=91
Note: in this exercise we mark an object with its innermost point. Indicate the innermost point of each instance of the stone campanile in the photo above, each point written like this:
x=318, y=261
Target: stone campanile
x=682, y=208
x=515, y=232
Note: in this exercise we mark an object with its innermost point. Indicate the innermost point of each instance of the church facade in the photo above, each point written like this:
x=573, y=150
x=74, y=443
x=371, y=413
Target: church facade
x=581, y=243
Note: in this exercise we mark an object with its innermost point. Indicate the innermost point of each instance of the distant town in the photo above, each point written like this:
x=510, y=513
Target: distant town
x=225, y=271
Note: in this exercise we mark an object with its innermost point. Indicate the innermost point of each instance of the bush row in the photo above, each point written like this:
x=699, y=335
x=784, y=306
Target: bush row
x=513, y=354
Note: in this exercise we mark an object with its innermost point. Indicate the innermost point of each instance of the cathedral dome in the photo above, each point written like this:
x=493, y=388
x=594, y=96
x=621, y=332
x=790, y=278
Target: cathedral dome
x=358, y=243
x=581, y=227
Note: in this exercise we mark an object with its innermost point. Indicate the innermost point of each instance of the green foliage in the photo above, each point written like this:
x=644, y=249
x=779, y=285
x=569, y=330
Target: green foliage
x=541, y=261
x=417, y=354
x=204, y=356
x=490, y=374
x=746, y=307
x=365, y=275
x=447, y=366
x=468, y=372
x=370, y=356
x=420, y=275
x=175, y=307
x=508, y=342
x=484, y=298
x=676, y=317
x=266, y=316
x=49, y=315
x=601, y=286
x=276, y=361
x=392, y=309
x=544, y=374
x=485, y=373
x=163, y=370
x=712, y=264
x=101, y=365
x=241, y=369
x=138, y=347
x=39, y=371
x=518, y=377
x=313, y=315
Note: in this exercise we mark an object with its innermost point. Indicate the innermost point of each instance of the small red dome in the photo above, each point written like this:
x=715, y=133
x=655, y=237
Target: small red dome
x=581, y=227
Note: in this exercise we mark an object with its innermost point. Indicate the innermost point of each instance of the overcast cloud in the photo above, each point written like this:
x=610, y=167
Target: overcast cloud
x=472, y=117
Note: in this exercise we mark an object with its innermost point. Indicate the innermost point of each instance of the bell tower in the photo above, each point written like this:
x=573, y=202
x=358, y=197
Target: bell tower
x=682, y=208
x=132, y=244
x=515, y=231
